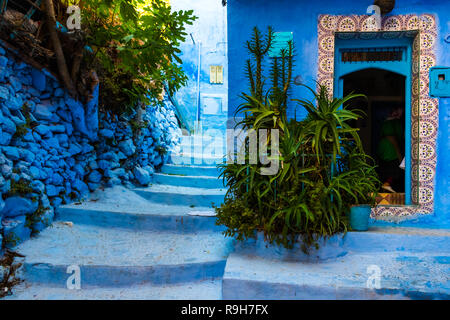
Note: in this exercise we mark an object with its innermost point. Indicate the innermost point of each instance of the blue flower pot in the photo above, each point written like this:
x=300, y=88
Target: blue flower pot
x=359, y=217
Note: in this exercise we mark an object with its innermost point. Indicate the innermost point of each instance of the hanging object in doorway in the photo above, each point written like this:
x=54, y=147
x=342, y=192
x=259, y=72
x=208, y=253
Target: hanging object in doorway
x=386, y=6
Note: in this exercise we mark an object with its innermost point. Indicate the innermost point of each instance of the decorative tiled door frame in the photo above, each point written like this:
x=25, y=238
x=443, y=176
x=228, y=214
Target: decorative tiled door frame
x=424, y=113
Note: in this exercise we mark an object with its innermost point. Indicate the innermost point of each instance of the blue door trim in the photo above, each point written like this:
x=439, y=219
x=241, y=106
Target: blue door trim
x=403, y=67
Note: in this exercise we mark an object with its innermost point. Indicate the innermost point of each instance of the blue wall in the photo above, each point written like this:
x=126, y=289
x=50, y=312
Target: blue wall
x=300, y=17
x=209, y=30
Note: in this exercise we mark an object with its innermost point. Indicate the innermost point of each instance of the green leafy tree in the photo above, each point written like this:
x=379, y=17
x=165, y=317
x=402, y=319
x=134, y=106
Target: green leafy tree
x=134, y=49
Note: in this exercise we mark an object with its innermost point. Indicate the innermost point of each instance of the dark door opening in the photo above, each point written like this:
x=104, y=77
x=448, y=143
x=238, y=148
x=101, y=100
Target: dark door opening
x=382, y=129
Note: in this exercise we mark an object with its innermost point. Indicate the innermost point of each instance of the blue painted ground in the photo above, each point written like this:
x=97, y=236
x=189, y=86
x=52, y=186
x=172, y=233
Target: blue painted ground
x=413, y=264
x=161, y=242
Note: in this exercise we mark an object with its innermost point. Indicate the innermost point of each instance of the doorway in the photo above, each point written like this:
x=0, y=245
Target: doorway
x=382, y=129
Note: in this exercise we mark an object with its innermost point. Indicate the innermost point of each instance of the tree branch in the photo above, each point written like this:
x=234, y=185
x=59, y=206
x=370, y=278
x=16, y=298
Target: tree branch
x=60, y=59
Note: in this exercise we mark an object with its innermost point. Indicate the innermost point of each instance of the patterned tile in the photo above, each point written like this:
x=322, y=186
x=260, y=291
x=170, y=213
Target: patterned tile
x=424, y=113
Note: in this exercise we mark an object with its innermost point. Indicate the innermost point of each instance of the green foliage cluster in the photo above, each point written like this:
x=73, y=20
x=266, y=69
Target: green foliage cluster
x=37, y=216
x=21, y=187
x=135, y=49
x=323, y=169
x=22, y=130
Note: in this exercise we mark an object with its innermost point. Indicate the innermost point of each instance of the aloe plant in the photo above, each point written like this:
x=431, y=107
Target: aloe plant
x=323, y=166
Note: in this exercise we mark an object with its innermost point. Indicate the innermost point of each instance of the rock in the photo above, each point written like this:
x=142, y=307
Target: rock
x=2, y=204
x=130, y=175
x=142, y=176
x=91, y=119
x=4, y=92
x=149, y=169
x=5, y=137
x=157, y=161
x=6, y=187
x=24, y=176
x=93, y=165
x=52, y=190
x=78, y=116
x=74, y=148
x=81, y=187
x=16, y=206
x=38, y=186
x=39, y=79
x=87, y=148
x=26, y=155
x=14, y=102
x=119, y=172
x=127, y=147
x=16, y=84
x=8, y=125
x=104, y=164
x=45, y=202
x=28, y=136
x=15, y=231
x=58, y=92
x=95, y=176
x=107, y=173
x=37, y=137
x=42, y=129
x=58, y=128
x=121, y=156
x=115, y=181
x=45, y=95
x=93, y=186
x=3, y=61
x=56, y=201
x=11, y=152
x=35, y=172
x=79, y=170
x=106, y=133
x=6, y=170
x=18, y=121
x=53, y=143
x=45, y=220
x=42, y=112
x=57, y=179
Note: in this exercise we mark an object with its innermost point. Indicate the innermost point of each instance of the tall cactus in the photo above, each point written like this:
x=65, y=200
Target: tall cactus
x=258, y=47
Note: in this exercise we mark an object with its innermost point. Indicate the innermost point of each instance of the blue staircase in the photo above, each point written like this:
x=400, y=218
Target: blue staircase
x=162, y=242
x=134, y=243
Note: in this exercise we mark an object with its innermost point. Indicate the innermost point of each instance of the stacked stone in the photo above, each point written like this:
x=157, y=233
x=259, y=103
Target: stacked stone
x=50, y=154
x=43, y=158
x=130, y=156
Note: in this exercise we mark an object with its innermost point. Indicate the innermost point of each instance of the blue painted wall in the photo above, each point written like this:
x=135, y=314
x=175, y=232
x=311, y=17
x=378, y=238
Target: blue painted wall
x=300, y=17
x=209, y=30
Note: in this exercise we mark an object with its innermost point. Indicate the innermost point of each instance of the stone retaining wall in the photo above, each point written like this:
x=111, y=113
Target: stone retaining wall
x=55, y=150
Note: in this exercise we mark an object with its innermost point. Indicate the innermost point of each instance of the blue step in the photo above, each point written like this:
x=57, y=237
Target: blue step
x=180, y=222
x=377, y=240
x=182, y=196
x=119, y=257
x=199, y=290
x=188, y=181
x=212, y=171
x=402, y=276
x=111, y=208
x=413, y=264
x=195, y=159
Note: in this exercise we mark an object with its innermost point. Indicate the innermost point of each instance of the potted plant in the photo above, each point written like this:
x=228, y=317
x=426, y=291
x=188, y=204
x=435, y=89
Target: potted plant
x=366, y=184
